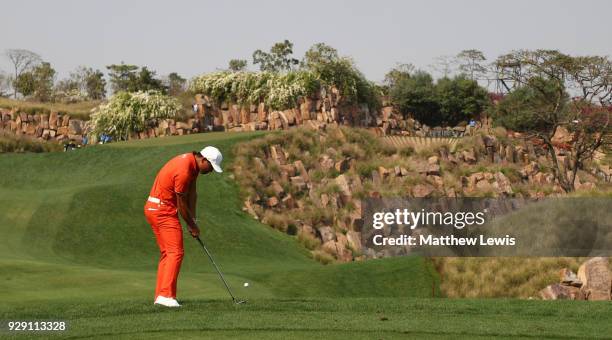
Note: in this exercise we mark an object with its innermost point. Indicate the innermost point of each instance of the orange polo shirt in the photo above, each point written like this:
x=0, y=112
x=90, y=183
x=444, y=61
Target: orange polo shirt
x=175, y=176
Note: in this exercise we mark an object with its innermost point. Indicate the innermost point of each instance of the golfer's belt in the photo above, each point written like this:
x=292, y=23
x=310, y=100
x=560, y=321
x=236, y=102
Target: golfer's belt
x=154, y=200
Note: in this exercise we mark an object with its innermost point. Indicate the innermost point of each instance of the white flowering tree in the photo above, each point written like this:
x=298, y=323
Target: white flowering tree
x=277, y=90
x=281, y=91
x=128, y=112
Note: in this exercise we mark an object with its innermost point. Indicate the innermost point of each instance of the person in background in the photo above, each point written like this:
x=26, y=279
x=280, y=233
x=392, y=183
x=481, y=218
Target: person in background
x=70, y=146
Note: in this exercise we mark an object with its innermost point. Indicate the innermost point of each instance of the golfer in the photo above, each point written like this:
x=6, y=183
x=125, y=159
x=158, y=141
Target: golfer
x=174, y=192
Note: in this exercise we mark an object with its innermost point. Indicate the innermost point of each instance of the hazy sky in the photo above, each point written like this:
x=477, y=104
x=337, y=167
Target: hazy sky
x=191, y=37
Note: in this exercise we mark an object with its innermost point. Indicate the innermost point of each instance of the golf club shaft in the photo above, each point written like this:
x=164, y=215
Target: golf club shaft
x=217, y=268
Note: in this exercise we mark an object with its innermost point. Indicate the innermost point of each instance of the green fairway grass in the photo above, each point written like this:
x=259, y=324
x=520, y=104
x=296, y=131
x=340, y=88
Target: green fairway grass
x=75, y=246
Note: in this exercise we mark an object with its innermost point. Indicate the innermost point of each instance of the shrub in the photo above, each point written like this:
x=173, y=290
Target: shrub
x=308, y=241
x=10, y=142
x=292, y=229
x=133, y=112
x=278, y=91
x=459, y=99
x=281, y=91
x=500, y=277
x=406, y=151
x=276, y=221
x=322, y=257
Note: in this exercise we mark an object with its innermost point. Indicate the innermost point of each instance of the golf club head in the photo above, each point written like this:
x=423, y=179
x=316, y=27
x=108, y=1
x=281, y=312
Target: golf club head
x=239, y=302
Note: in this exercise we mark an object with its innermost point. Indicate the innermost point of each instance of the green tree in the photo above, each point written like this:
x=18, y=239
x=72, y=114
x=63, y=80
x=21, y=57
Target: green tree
x=237, y=65
x=122, y=76
x=44, y=76
x=324, y=62
x=529, y=107
x=471, y=63
x=416, y=96
x=95, y=84
x=175, y=84
x=131, y=78
x=23, y=61
x=459, y=99
x=38, y=82
x=396, y=74
x=319, y=54
x=25, y=84
x=85, y=81
x=539, y=104
x=146, y=81
x=278, y=59
x=68, y=84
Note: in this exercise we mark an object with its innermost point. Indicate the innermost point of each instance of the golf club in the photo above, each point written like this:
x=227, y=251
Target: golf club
x=236, y=301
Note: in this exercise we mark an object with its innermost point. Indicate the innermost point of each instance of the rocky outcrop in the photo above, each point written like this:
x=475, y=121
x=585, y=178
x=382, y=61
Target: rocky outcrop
x=322, y=108
x=593, y=282
x=335, y=181
x=63, y=128
x=49, y=127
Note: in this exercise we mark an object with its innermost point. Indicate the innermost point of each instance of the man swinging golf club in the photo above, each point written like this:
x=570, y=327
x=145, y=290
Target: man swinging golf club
x=174, y=192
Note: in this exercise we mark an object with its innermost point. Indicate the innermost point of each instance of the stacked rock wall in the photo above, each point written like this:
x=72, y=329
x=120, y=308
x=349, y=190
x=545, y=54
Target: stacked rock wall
x=50, y=127
x=325, y=107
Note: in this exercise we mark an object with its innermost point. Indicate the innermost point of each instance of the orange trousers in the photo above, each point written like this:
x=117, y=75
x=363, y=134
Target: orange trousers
x=166, y=226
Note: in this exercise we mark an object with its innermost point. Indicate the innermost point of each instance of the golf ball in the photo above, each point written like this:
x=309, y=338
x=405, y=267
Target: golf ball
x=246, y=284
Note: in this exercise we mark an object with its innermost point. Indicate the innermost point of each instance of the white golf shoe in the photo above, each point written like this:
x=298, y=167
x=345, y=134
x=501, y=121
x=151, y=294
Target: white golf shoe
x=165, y=301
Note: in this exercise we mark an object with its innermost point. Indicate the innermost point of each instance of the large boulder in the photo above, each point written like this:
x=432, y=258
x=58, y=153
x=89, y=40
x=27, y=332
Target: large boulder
x=283, y=119
x=301, y=169
x=420, y=167
x=326, y=162
x=288, y=201
x=261, y=112
x=345, y=191
x=277, y=188
x=65, y=120
x=562, y=136
x=248, y=207
x=422, y=190
x=74, y=126
x=560, y=292
x=277, y=154
x=326, y=234
x=503, y=184
x=342, y=165
x=569, y=278
x=305, y=108
x=354, y=240
x=53, y=118
x=433, y=169
x=596, y=278
x=469, y=156
x=272, y=201
x=183, y=125
x=298, y=182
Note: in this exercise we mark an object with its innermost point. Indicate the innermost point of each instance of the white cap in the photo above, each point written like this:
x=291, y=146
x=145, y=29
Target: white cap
x=214, y=156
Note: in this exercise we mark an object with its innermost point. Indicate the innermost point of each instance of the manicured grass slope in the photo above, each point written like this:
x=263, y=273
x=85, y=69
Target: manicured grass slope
x=75, y=246
x=80, y=215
